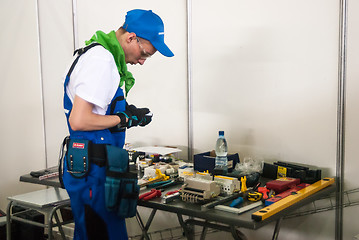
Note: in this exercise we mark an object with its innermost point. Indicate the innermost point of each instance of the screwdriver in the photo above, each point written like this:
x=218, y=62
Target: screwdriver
x=236, y=202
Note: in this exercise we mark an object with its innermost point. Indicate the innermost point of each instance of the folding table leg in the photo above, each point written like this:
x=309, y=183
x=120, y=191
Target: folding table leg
x=204, y=232
x=188, y=229
x=237, y=234
x=8, y=221
x=60, y=227
x=148, y=224
x=53, y=214
x=276, y=229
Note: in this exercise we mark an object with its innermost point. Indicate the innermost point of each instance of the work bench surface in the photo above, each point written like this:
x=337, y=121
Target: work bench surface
x=178, y=206
x=240, y=220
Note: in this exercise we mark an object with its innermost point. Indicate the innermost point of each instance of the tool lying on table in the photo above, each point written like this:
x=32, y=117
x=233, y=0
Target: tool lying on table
x=292, y=199
x=286, y=193
x=236, y=202
x=170, y=196
x=169, y=183
x=254, y=196
x=264, y=191
x=220, y=200
x=243, y=184
x=149, y=195
x=238, y=210
x=159, y=177
x=160, y=184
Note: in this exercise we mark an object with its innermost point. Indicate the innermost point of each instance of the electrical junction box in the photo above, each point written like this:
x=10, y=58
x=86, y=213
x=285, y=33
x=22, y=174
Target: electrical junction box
x=204, y=162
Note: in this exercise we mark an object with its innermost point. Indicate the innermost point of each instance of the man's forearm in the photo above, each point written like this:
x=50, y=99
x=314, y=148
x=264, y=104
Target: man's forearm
x=83, y=119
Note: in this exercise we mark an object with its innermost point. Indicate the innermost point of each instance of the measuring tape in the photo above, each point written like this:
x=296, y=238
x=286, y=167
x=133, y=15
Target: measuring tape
x=290, y=200
x=254, y=196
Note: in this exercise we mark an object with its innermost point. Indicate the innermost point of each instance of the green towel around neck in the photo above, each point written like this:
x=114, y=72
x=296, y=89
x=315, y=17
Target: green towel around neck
x=110, y=42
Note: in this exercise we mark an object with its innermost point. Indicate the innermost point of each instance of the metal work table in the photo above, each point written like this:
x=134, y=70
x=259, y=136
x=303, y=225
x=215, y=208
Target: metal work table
x=52, y=182
x=208, y=218
x=217, y=219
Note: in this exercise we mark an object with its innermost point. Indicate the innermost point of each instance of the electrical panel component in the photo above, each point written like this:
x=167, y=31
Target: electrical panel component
x=196, y=190
x=228, y=185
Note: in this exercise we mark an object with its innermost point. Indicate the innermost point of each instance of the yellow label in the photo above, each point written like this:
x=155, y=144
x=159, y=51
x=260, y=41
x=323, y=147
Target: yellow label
x=282, y=172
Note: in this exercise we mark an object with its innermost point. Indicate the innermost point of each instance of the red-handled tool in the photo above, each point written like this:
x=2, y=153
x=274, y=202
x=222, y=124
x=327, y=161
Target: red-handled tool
x=149, y=195
x=171, y=192
x=264, y=191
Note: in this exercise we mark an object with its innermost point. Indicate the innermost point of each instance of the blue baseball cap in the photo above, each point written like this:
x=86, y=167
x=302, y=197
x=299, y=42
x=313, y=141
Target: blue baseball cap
x=148, y=25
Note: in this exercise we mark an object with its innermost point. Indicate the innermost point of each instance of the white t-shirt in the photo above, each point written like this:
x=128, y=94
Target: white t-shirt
x=95, y=79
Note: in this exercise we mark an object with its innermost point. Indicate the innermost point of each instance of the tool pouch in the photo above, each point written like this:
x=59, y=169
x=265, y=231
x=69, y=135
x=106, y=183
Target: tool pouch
x=121, y=189
x=77, y=157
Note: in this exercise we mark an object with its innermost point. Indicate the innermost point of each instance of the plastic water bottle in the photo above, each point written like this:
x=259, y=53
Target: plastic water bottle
x=221, y=154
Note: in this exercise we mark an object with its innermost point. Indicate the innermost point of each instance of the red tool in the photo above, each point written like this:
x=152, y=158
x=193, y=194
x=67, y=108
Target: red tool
x=264, y=191
x=286, y=193
x=149, y=195
x=171, y=192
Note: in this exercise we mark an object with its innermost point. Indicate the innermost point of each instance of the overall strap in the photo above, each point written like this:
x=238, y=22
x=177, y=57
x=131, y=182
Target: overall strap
x=105, y=136
x=61, y=160
x=113, y=104
x=79, y=51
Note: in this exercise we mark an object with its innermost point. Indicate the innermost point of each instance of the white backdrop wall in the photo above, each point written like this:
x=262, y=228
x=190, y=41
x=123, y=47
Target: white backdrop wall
x=267, y=77
x=22, y=143
x=56, y=38
x=265, y=72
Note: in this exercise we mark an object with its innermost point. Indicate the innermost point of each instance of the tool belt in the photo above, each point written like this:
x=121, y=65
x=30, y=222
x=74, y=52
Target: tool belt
x=121, y=188
x=78, y=157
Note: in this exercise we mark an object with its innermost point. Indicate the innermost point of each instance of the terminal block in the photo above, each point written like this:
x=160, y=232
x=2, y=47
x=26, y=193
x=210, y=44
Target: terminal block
x=197, y=190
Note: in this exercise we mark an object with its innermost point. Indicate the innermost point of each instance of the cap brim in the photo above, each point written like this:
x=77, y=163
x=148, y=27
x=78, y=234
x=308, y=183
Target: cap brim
x=163, y=49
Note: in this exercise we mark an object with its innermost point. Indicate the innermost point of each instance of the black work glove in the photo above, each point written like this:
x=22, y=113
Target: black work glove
x=136, y=117
x=144, y=116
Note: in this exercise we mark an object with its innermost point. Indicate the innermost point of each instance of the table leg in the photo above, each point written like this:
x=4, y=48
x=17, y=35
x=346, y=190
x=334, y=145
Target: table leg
x=187, y=228
x=148, y=224
x=276, y=229
x=204, y=232
x=8, y=221
x=49, y=224
x=237, y=234
x=59, y=224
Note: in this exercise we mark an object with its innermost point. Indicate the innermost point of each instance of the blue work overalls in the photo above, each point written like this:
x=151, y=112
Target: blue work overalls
x=87, y=194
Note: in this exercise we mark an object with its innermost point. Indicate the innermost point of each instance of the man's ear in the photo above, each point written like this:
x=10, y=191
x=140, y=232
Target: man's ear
x=130, y=37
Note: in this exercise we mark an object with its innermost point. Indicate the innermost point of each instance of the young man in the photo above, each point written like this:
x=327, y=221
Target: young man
x=98, y=115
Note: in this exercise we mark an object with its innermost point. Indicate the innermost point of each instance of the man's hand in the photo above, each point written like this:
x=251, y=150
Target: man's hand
x=135, y=116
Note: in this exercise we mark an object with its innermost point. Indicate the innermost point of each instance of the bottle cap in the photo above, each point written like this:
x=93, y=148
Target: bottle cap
x=221, y=133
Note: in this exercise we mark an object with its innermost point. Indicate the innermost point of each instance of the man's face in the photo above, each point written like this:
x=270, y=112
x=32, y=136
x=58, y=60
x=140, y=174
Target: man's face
x=138, y=51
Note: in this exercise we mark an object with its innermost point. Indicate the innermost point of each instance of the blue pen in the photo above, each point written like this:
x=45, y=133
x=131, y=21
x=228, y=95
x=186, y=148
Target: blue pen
x=236, y=202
